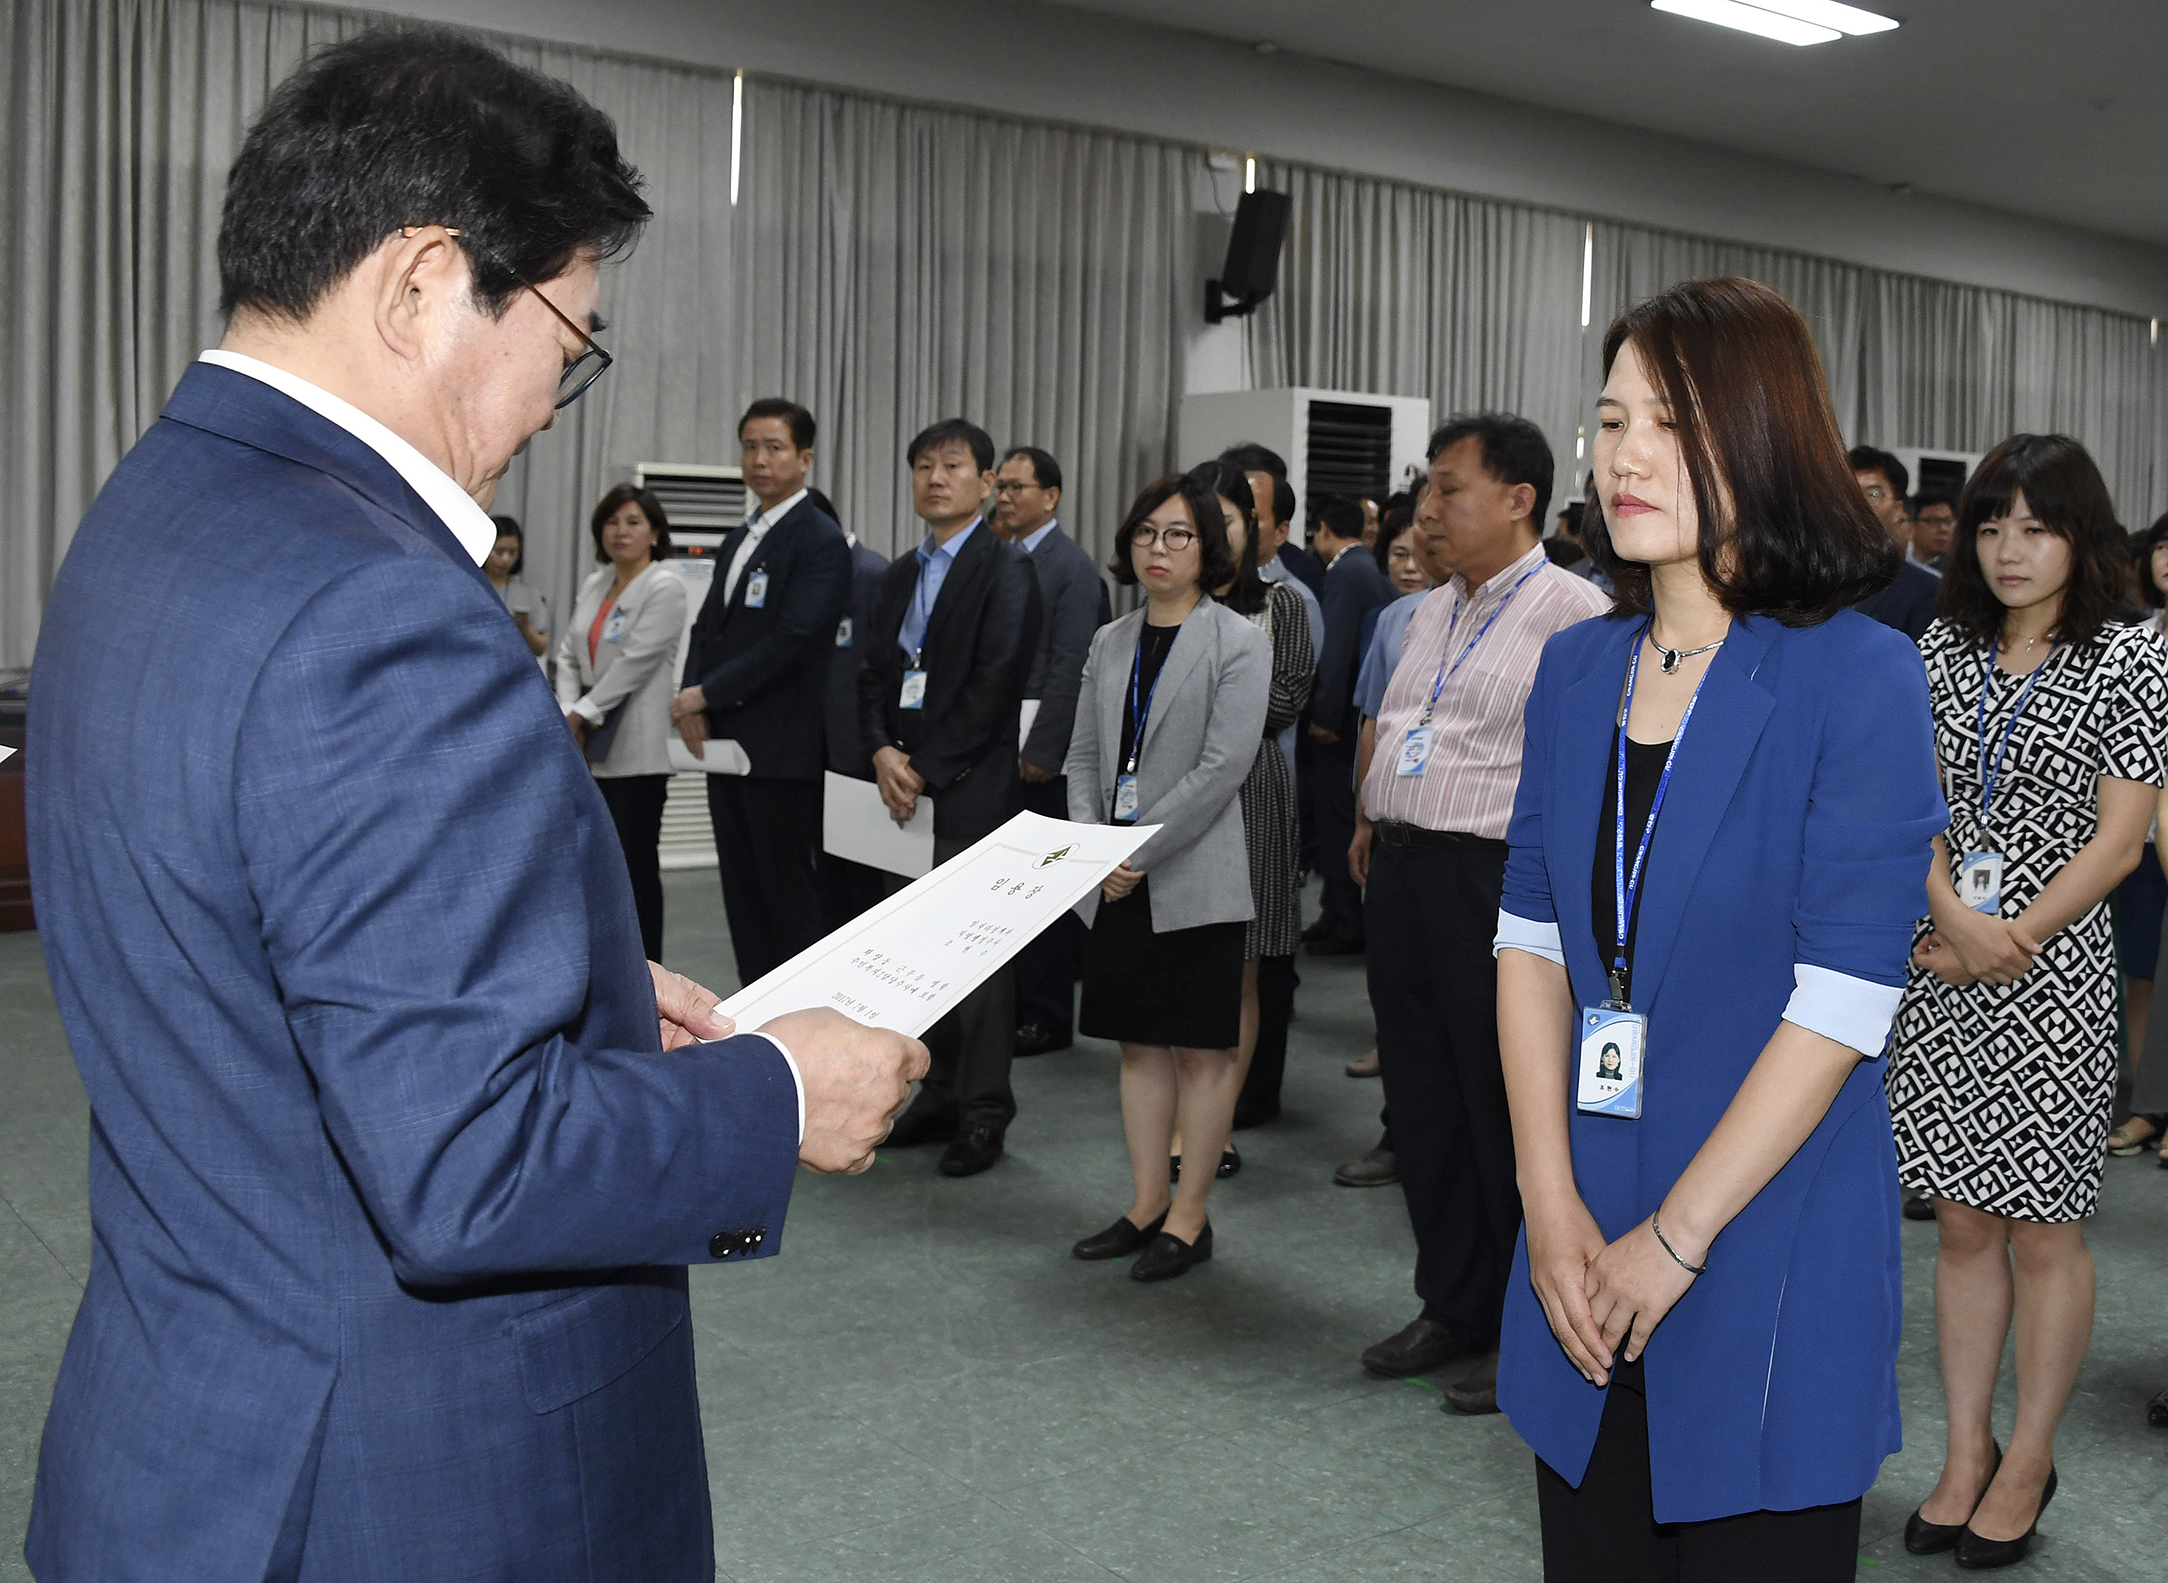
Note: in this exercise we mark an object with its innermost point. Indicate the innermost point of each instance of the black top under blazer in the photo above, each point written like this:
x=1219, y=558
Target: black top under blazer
x=764, y=670
x=980, y=639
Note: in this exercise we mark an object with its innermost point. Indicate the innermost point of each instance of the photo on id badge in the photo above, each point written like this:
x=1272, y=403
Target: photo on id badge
x=1610, y=1070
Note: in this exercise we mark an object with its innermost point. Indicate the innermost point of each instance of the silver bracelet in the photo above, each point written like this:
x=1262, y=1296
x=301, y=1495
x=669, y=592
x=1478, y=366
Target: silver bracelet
x=1657, y=1226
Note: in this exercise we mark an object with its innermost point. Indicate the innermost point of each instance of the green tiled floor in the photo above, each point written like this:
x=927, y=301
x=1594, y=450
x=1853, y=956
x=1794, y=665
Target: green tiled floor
x=925, y=1386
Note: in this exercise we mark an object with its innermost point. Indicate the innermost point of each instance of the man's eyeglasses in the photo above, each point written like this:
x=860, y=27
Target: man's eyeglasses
x=1176, y=539
x=579, y=372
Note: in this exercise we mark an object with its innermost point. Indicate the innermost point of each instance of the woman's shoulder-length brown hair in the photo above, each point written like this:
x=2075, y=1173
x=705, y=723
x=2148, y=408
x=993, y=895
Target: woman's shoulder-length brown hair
x=1785, y=530
x=2064, y=490
x=650, y=508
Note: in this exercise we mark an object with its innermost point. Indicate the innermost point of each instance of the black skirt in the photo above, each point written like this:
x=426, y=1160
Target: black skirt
x=1179, y=988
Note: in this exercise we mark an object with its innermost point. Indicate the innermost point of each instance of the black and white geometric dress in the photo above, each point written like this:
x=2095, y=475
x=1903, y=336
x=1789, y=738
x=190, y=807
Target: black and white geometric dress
x=2001, y=1094
x=1268, y=796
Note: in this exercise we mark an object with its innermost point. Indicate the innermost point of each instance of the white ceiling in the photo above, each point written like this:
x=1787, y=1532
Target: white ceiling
x=2053, y=108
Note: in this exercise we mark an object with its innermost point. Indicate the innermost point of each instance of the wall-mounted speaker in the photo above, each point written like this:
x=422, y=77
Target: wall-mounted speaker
x=1253, y=257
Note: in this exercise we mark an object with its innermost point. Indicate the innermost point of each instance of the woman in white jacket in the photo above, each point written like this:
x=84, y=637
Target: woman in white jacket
x=615, y=678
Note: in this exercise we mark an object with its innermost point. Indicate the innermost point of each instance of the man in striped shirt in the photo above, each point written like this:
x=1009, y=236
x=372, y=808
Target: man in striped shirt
x=1439, y=796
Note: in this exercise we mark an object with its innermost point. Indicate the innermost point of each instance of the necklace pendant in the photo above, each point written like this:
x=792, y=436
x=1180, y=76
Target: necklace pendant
x=1671, y=658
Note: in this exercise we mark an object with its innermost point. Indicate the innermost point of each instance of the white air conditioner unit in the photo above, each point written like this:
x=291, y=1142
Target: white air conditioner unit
x=1335, y=442
x=703, y=502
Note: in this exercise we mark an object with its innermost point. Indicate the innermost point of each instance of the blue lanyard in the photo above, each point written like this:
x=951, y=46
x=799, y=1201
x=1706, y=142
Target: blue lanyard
x=1445, y=675
x=1990, y=774
x=1628, y=892
x=1141, y=712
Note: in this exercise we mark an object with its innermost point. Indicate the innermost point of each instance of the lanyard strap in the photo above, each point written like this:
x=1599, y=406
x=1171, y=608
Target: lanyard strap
x=1991, y=773
x=1628, y=891
x=1141, y=711
x=1445, y=675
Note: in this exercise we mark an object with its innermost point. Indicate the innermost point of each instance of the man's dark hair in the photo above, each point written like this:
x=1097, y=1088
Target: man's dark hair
x=948, y=429
x=1248, y=593
x=1254, y=458
x=414, y=124
x=650, y=508
x=1866, y=459
x=1045, y=471
x=2065, y=491
x=1513, y=450
x=509, y=528
x=1343, y=514
x=824, y=505
x=1217, y=556
x=1784, y=529
x=795, y=418
x=1933, y=497
x=1572, y=512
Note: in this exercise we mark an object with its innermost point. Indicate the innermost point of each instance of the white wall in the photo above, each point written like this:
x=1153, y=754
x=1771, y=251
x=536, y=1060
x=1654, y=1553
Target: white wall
x=1024, y=58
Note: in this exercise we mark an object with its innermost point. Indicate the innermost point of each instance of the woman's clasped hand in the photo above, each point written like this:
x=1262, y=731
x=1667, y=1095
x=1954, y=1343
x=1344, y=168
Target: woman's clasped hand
x=1601, y=1299
x=1973, y=948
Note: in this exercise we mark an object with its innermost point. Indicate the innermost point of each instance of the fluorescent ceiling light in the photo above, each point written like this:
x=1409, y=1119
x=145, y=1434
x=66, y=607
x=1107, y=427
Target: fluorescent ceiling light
x=1786, y=21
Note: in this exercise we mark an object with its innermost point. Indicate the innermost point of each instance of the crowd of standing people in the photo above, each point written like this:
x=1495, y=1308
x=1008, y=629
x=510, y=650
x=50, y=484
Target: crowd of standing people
x=1873, y=945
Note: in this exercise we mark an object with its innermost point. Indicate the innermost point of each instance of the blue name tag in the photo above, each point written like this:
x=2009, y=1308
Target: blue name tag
x=1125, y=799
x=756, y=591
x=843, y=633
x=613, y=630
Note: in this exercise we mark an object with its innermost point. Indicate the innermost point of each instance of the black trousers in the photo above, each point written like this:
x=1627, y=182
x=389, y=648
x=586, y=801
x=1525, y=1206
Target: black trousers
x=1433, y=913
x=971, y=1048
x=1047, y=970
x=1606, y=1531
x=767, y=844
x=847, y=889
x=1340, y=909
x=636, y=809
x=1259, y=1101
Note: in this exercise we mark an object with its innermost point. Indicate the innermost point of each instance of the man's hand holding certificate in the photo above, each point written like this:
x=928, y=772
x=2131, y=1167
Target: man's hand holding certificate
x=905, y=963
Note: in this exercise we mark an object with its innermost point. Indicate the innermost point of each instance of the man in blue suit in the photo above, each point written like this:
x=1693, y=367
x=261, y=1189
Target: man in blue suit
x=392, y=1180
x=757, y=672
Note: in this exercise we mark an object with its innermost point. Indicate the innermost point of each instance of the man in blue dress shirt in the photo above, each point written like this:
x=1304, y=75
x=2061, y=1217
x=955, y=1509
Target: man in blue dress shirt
x=398, y=1148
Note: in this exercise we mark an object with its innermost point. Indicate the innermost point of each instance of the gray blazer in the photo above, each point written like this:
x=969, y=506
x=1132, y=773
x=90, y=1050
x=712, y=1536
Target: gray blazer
x=1208, y=715
x=638, y=669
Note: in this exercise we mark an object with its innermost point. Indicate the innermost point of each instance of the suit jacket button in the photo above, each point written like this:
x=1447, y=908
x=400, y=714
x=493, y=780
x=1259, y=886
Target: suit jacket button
x=722, y=1245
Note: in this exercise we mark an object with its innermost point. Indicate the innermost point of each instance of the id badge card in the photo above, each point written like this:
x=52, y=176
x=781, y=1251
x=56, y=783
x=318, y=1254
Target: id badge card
x=1125, y=799
x=1612, y=1044
x=914, y=691
x=1414, y=750
x=613, y=630
x=756, y=591
x=1979, y=882
x=843, y=633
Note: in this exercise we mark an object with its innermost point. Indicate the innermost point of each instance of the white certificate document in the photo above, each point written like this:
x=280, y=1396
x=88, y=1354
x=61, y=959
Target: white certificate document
x=856, y=824
x=907, y=962
x=719, y=756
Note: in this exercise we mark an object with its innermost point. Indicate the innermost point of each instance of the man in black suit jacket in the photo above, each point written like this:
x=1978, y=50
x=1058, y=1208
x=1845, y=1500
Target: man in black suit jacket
x=939, y=704
x=1073, y=604
x=1908, y=603
x=848, y=888
x=1354, y=586
x=756, y=672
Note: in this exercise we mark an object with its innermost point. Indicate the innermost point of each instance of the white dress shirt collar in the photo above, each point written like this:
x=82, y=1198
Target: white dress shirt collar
x=468, y=522
x=764, y=519
x=1030, y=543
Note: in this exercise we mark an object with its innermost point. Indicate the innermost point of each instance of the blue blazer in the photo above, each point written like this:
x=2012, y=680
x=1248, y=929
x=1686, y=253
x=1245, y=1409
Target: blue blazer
x=1787, y=870
x=391, y=1185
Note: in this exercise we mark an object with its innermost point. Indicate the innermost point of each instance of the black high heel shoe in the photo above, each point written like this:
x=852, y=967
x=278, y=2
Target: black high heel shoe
x=1230, y=1162
x=1118, y=1240
x=1975, y=1554
x=1923, y=1538
x=1169, y=1256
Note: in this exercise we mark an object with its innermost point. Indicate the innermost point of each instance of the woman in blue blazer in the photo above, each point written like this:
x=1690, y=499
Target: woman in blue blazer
x=1702, y=1333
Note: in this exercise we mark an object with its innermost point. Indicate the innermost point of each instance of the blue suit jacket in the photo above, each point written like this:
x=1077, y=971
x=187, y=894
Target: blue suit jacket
x=1795, y=832
x=390, y=1182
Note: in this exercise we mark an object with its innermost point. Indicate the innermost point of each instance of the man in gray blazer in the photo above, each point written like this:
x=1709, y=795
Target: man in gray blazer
x=1074, y=604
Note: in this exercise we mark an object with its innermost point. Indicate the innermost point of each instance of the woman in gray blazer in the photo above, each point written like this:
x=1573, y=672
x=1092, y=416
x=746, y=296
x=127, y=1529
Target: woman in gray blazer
x=615, y=678
x=1167, y=725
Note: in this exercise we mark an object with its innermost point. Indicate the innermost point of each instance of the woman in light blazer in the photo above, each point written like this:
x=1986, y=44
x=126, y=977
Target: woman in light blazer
x=1168, y=721
x=615, y=678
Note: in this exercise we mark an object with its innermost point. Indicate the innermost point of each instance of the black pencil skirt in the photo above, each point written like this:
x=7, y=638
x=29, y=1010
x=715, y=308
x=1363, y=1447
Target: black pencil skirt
x=1183, y=987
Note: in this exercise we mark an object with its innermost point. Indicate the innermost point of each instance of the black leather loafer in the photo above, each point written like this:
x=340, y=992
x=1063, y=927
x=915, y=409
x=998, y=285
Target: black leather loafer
x=1923, y=1538
x=971, y=1153
x=1169, y=1256
x=1918, y=1206
x=1119, y=1240
x=917, y=1126
x=1036, y=1038
x=1975, y=1554
x=1475, y=1392
x=1420, y=1346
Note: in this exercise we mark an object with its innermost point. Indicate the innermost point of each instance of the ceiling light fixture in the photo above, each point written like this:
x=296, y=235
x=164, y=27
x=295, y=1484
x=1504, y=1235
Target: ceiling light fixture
x=1786, y=21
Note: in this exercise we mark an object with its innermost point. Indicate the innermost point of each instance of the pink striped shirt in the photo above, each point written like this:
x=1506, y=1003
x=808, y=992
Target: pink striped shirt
x=1475, y=756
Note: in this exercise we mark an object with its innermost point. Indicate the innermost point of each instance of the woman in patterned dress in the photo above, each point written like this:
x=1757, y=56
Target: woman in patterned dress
x=2049, y=728
x=1268, y=796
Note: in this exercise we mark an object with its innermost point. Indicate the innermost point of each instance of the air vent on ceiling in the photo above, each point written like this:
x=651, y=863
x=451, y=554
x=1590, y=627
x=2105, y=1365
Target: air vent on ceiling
x=1350, y=450
x=703, y=502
